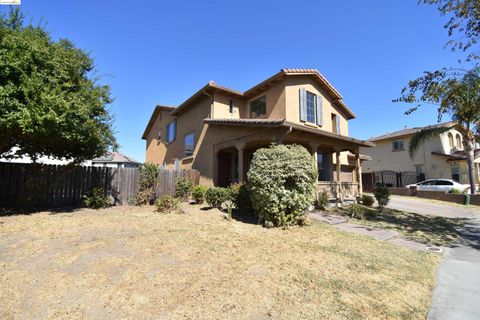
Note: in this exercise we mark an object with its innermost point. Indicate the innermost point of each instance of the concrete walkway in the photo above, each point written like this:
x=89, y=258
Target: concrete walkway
x=378, y=234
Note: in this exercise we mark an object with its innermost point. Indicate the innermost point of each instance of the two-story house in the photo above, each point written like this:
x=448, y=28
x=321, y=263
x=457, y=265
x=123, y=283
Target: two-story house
x=217, y=130
x=440, y=157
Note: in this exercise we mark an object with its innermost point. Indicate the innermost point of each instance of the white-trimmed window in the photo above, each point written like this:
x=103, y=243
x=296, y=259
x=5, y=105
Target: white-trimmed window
x=310, y=105
x=159, y=134
x=459, y=141
x=397, y=145
x=189, y=144
x=311, y=109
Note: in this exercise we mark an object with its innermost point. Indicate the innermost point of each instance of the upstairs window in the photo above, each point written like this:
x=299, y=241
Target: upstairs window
x=258, y=107
x=189, y=144
x=310, y=107
x=455, y=172
x=171, y=131
x=397, y=145
x=231, y=105
x=159, y=134
x=335, y=123
x=450, y=140
x=459, y=141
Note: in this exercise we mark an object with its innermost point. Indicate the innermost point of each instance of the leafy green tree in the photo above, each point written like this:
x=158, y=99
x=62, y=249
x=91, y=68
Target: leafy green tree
x=463, y=23
x=455, y=94
x=50, y=103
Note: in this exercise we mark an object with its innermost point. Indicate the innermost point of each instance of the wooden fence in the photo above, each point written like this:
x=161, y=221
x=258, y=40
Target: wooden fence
x=168, y=178
x=50, y=186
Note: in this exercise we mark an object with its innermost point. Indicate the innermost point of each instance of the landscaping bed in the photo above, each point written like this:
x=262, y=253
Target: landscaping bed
x=132, y=262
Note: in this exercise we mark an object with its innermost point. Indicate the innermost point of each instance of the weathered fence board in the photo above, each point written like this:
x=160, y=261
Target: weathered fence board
x=168, y=178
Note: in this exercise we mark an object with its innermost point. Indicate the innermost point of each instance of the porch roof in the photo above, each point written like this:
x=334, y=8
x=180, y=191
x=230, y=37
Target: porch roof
x=272, y=123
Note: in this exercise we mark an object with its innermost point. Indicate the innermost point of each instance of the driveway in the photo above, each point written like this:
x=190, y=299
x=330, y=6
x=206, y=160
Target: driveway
x=433, y=207
x=457, y=289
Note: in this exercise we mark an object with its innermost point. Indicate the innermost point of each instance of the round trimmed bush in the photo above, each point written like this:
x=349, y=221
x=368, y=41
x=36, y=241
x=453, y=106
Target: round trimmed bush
x=198, y=194
x=183, y=188
x=367, y=200
x=216, y=196
x=281, y=182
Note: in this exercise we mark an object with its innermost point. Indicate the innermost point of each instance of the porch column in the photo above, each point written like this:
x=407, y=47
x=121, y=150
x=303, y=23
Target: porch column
x=240, y=147
x=215, y=166
x=314, y=147
x=358, y=171
x=339, y=169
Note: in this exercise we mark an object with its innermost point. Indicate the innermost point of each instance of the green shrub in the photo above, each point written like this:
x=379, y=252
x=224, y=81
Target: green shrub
x=216, y=196
x=144, y=197
x=167, y=204
x=322, y=201
x=367, y=200
x=240, y=197
x=456, y=191
x=183, y=188
x=382, y=195
x=96, y=199
x=282, y=184
x=357, y=212
x=198, y=194
x=149, y=173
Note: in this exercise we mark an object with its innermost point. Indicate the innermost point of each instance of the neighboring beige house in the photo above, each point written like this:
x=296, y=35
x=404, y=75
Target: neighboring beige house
x=115, y=160
x=217, y=130
x=440, y=157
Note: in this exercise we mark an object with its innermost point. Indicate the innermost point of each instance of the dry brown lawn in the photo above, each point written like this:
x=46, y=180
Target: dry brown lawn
x=133, y=263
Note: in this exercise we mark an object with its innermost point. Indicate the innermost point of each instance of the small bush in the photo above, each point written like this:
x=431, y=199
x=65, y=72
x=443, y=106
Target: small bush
x=382, y=195
x=367, y=200
x=456, y=191
x=281, y=182
x=357, y=212
x=216, y=196
x=183, y=188
x=167, y=204
x=149, y=173
x=96, y=199
x=198, y=194
x=144, y=197
x=240, y=197
x=322, y=201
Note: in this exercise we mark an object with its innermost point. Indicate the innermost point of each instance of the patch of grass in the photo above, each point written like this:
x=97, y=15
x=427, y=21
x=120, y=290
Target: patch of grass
x=130, y=262
x=433, y=230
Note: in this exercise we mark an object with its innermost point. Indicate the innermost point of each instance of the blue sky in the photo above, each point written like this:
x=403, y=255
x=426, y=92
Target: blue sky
x=161, y=52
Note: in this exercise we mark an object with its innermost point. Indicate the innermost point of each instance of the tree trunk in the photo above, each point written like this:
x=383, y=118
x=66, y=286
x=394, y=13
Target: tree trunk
x=471, y=166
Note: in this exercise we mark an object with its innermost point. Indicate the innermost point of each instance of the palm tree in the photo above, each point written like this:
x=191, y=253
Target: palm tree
x=456, y=94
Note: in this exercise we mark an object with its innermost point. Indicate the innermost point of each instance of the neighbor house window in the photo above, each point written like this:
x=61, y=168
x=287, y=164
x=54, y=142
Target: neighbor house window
x=171, y=131
x=258, y=107
x=419, y=168
x=450, y=141
x=159, y=135
x=231, y=104
x=397, y=145
x=189, y=144
x=455, y=172
x=459, y=141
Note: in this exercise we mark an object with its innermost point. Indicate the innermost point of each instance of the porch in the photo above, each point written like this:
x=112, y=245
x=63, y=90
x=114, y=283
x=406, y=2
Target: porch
x=336, y=157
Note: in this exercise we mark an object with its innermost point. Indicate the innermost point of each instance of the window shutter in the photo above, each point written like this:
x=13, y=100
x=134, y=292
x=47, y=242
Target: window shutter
x=338, y=124
x=319, y=110
x=303, y=104
x=167, y=134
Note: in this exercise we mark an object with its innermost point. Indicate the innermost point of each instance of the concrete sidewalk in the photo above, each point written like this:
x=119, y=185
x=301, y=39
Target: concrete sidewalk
x=457, y=290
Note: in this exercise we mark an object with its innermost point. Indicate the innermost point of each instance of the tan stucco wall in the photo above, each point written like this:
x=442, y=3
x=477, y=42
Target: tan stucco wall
x=292, y=87
x=434, y=166
x=275, y=97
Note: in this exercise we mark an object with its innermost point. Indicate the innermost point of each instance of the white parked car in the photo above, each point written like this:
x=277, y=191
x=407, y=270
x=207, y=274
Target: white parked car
x=445, y=185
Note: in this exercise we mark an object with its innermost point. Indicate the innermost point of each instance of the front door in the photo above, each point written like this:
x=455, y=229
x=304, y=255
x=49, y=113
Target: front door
x=224, y=169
